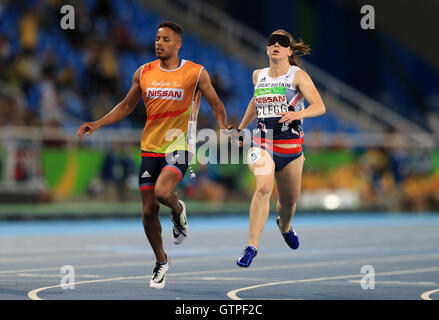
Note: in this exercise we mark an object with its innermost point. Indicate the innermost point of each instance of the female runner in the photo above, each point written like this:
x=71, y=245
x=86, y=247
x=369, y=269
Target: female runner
x=276, y=153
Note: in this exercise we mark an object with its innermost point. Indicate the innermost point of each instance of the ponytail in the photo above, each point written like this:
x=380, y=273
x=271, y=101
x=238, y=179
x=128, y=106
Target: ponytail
x=299, y=49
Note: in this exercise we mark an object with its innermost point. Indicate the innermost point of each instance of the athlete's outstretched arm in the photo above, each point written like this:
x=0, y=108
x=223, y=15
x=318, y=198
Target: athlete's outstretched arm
x=250, y=113
x=211, y=97
x=305, y=85
x=123, y=109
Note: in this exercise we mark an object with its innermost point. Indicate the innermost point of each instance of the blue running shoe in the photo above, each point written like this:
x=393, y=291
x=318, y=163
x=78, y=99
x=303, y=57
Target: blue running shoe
x=290, y=237
x=247, y=256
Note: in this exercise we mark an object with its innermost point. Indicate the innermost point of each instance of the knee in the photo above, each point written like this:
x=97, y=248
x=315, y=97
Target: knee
x=163, y=195
x=264, y=189
x=289, y=203
x=149, y=213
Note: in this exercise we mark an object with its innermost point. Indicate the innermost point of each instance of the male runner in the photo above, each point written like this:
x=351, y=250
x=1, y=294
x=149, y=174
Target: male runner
x=171, y=89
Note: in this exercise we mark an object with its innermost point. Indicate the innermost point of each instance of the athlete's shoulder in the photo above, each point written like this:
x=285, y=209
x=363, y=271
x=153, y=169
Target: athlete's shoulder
x=256, y=74
x=149, y=66
x=193, y=64
x=300, y=73
x=295, y=68
x=301, y=77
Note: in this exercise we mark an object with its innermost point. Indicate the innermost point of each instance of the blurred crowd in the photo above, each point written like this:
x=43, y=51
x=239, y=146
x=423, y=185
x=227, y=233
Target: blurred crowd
x=55, y=77
x=393, y=179
x=45, y=86
x=396, y=176
x=51, y=77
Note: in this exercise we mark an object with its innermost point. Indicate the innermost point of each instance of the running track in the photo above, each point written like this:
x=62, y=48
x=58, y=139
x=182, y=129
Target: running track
x=112, y=259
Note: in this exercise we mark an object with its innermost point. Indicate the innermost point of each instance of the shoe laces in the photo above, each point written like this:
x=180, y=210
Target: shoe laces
x=177, y=223
x=248, y=251
x=289, y=234
x=157, y=270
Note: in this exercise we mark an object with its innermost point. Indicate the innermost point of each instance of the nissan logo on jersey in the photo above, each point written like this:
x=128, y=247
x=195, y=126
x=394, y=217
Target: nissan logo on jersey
x=165, y=93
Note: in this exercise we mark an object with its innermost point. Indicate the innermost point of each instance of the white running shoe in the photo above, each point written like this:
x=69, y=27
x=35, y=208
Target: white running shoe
x=158, y=279
x=180, y=229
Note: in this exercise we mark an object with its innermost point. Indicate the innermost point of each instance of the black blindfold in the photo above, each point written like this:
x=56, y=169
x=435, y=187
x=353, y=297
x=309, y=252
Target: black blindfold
x=282, y=39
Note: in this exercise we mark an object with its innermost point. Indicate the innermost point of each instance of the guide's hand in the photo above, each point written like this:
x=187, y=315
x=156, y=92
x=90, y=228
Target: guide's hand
x=235, y=136
x=87, y=127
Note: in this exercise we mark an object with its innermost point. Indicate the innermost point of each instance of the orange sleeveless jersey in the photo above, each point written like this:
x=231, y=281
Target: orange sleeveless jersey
x=172, y=106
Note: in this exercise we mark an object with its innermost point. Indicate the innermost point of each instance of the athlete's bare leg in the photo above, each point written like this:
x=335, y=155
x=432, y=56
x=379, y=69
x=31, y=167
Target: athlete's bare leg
x=289, y=182
x=165, y=190
x=151, y=223
x=262, y=167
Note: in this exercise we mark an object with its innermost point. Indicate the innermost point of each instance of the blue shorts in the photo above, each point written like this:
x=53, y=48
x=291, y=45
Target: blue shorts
x=280, y=156
x=154, y=163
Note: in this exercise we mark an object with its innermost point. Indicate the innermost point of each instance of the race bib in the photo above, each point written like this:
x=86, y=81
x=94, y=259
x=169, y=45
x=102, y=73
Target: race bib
x=269, y=101
x=254, y=156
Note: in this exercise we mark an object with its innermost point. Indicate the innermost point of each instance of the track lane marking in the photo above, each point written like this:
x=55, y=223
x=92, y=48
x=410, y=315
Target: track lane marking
x=34, y=293
x=430, y=256
x=426, y=295
x=406, y=283
x=233, y=293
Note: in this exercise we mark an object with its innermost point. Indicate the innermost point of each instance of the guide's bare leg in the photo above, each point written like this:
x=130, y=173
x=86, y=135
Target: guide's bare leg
x=164, y=193
x=151, y=223
x=165, y=190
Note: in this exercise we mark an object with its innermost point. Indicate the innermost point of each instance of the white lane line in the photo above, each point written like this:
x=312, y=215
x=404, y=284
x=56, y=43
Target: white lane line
x=70, y=256
x=387, y=259
x=288, y=266
x=426, y=295
x=114, y=265
x=41, y=275
x=107, y=265
x=408, y=283
x=235, y=279
x=233, y=293
x=34, y=293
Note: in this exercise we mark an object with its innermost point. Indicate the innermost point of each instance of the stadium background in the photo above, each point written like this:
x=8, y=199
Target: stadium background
x=374, y=150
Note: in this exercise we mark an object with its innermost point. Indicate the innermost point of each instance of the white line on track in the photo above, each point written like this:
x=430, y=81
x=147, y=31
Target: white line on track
x=70, y=256
x=233, y=293
x=387, y=259
x=40, y=275
x=406, y=283
x=34, y=293
x=145, y=263
x=427, y=295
